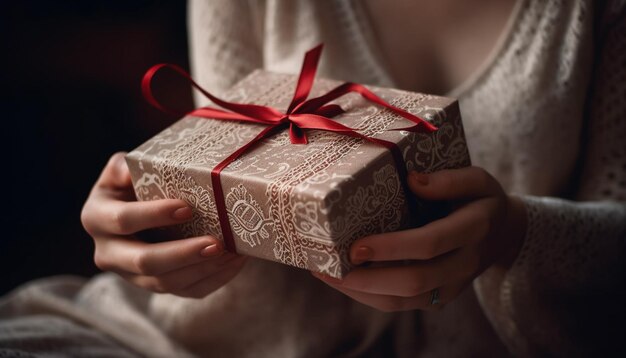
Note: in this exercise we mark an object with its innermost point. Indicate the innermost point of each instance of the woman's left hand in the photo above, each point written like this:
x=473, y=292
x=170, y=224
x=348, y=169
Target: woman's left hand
x=444, y=256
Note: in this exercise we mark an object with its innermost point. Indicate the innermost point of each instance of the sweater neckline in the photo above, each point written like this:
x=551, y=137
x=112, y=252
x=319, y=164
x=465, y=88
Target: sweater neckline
x=371, y=44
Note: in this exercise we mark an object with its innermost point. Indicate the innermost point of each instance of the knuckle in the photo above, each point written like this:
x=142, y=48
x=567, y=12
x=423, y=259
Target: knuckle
x=142, y=263
x=430, y=249
x=480, y=172
x=86, y=221
x=101, y=261
x=484, y=180
x=160, y=210
x=467, y=271
x=156, y=286
x=358, y=284
x=447, y=181
x=416, y=287
x=160, y=286
x=120, y=221
x=389, y=252
x=472, y=266
x=206, y=269
x=163, y=286
x=481, y=226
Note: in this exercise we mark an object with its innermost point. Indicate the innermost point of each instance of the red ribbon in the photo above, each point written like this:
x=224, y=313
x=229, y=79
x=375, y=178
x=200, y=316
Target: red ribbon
x=301, y=114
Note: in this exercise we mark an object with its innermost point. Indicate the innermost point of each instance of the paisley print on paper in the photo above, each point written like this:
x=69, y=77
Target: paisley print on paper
x=246, y=217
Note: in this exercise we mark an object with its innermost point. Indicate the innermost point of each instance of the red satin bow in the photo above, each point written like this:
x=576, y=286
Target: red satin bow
x=301, y=114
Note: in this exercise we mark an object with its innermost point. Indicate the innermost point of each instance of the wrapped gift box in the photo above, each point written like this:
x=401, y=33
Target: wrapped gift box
x=302, y=205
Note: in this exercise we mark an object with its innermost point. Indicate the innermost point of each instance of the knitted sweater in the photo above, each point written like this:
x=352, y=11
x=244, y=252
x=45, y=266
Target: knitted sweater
x=544, y=114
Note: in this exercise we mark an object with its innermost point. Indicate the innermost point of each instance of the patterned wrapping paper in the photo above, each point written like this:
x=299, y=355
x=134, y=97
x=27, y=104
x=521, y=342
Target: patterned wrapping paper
x=302, y=205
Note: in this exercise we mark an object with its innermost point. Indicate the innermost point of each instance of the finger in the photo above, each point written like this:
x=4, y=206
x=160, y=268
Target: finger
x=454, y=184
x=424, y=301
x=412, y=279
x=213, y=282
x=185, y=277
x=115, y=174
x=462, y=227
x=137, y=257
x=107, y=216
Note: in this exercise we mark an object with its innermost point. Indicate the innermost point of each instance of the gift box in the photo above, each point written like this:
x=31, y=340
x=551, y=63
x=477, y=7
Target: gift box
x=299, y=204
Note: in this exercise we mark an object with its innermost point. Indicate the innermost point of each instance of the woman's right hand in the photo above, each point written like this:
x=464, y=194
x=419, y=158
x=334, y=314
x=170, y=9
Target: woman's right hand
x=192, y=267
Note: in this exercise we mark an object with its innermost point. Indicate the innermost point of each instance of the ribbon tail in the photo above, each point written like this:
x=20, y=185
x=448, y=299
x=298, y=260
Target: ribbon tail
x=297, y=135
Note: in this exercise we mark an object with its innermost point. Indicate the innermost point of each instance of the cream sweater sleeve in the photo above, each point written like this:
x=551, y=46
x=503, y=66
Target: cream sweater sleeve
x=564, y=295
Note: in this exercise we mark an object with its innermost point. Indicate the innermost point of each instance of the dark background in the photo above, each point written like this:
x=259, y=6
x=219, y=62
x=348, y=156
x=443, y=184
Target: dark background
x=70, y=97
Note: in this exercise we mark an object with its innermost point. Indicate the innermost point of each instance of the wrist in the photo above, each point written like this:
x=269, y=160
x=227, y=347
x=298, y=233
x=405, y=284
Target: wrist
x=515, y=230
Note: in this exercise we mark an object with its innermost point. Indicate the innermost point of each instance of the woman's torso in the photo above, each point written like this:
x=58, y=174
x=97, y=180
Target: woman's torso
x=521, y=96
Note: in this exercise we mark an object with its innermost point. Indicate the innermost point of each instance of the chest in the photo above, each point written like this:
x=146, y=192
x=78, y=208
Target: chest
x=433, y=46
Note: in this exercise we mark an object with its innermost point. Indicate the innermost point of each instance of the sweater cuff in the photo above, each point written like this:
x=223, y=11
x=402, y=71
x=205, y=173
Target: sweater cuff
x=569, y=248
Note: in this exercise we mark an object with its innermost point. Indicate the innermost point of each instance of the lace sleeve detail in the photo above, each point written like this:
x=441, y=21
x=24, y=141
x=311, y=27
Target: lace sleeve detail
x=225, y=42
x=564, y=293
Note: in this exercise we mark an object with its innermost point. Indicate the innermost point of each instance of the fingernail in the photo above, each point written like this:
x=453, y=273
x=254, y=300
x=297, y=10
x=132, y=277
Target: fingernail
x=362, y=254
x=182, y=213
x=210, y=250
x=419, y=178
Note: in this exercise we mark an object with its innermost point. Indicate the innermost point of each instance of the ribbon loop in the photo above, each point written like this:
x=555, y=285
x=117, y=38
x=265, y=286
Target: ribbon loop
x=307, y=75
